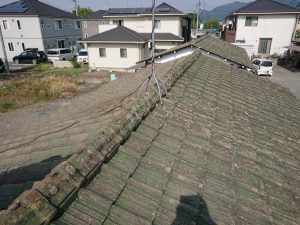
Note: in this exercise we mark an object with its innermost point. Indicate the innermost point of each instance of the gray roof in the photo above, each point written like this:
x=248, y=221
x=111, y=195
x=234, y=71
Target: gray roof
x=33, y=8
x=95, y=15
x=216, y=46
x=163, y=8
x=124, y=34
x=266, y=6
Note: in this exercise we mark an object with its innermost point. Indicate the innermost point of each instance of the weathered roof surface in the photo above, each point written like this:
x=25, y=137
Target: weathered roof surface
x=34, y=8
x=124, y=34
x=224, y=49
x=96, y=15
x=216, y=46
x=163, y=8
x=223, y=149
x=266, y=6
x=34, y=140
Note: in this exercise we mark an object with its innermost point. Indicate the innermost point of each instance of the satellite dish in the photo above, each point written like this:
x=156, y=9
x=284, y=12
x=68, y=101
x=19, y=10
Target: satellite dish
x=201, y=26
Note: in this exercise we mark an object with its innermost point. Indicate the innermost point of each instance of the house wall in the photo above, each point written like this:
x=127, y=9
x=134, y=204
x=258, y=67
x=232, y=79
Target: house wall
x=113, y=59
x=166, y=44
x=278, y=27
x=169, y=24
x=91, y=27
x=29, y=34
x=51, y=35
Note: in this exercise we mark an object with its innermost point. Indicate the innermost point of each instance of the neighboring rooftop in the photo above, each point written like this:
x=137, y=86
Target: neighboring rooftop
x=124, y=34
x=33, y=8
x=265, y=7
x=164, y=9
x=215, y=46
x=95, y=15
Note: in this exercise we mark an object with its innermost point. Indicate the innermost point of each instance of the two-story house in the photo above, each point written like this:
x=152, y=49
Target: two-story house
x=263, y=27
x=34, y=24
x=90, y=23
x=124, y=34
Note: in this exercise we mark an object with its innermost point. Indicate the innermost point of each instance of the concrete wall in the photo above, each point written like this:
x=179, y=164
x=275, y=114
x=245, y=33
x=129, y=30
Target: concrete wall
x=278, y=27
x=113, y=59
x=29, y=34
x=51, y=35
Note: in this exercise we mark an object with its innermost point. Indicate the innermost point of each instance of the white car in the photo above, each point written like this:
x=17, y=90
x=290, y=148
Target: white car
x=83, y=56
x=262, y=66
x=60, y=54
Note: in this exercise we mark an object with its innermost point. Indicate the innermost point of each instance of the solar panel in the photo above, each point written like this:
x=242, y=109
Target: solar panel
x=16, y=7
x=163, y=9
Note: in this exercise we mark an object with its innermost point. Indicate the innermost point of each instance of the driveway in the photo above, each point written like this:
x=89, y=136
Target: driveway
x=287, y=78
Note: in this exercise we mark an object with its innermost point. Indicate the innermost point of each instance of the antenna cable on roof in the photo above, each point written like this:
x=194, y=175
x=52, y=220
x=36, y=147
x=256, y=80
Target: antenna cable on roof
x=158, y=82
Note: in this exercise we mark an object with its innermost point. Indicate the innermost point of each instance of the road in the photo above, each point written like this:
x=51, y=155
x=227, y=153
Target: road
x=287, y=78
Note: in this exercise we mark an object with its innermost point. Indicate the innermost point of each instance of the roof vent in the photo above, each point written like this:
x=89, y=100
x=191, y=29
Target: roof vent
x=162, y=9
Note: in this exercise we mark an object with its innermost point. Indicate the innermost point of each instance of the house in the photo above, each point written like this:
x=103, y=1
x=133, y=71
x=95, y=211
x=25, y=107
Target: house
x=124, y=33
x=34, y=24
x=217, y=151
x=263, y=27
x=120, y=48
x=90, y=23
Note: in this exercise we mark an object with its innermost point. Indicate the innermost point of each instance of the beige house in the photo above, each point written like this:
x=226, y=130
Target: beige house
x=124, y=33
x=120, y=48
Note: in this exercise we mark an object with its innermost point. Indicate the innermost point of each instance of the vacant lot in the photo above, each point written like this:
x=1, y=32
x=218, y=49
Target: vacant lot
x=45, y=83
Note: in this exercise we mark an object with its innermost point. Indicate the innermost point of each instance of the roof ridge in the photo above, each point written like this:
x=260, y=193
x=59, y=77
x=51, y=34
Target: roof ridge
x=133, y=33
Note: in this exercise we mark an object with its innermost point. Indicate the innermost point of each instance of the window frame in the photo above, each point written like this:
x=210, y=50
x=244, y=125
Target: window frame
x=122, y=51
x=104, y=52
x=57, y=27
x=11, y=47
x=249, y=21
x=5, y=24
x=19, y=24
x=76, y=22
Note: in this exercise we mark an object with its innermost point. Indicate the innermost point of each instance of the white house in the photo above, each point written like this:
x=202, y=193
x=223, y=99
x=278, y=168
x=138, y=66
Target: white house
x=34, y=24
x=124, y=34
x=262, y=27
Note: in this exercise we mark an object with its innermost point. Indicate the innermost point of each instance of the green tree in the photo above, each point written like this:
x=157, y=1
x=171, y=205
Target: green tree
x=214, y=24
x=83, y=11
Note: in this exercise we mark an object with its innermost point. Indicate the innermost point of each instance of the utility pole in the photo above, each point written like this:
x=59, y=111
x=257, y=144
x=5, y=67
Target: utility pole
x=198, y=14
x=76, y=6
x=4, y=51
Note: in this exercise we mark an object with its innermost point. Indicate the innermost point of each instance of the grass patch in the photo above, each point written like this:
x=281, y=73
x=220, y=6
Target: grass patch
x=43, y=67
x=13, y=94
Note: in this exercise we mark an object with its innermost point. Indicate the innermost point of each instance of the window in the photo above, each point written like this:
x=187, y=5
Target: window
x=240, y=41
x=42, y=26
x=61, y=43
x=5, y=24
x=85, y=24
x=251, y=21
x=102, y=52
x=65, y=51
x=70, y=25
x=11, y=46
x=58, y=24
x=77, y=24
x=66, y=25
x=86, y=35
x=157, y=24
x=19, y=24
x=264, y=45
x=23, y=46
x=123, y=52
x=118, y=22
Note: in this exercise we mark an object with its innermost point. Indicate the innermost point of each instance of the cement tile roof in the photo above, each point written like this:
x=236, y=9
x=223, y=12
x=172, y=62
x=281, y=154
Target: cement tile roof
x=222, y=149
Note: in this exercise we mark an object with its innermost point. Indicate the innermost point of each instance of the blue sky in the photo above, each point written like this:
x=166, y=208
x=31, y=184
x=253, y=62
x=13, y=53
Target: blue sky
x=184, y=5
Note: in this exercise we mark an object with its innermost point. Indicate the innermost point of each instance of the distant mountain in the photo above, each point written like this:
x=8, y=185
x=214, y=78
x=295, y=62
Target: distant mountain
x=220, y=12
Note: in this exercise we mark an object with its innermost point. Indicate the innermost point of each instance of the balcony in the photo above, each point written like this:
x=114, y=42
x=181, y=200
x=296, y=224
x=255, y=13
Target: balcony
x=229, y=35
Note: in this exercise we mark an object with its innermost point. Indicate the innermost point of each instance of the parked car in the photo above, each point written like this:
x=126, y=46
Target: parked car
x=83, y=56
x=2, y=66
x=76, y=49
x=30, y=56
x=59, y=54
x=262, y=66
